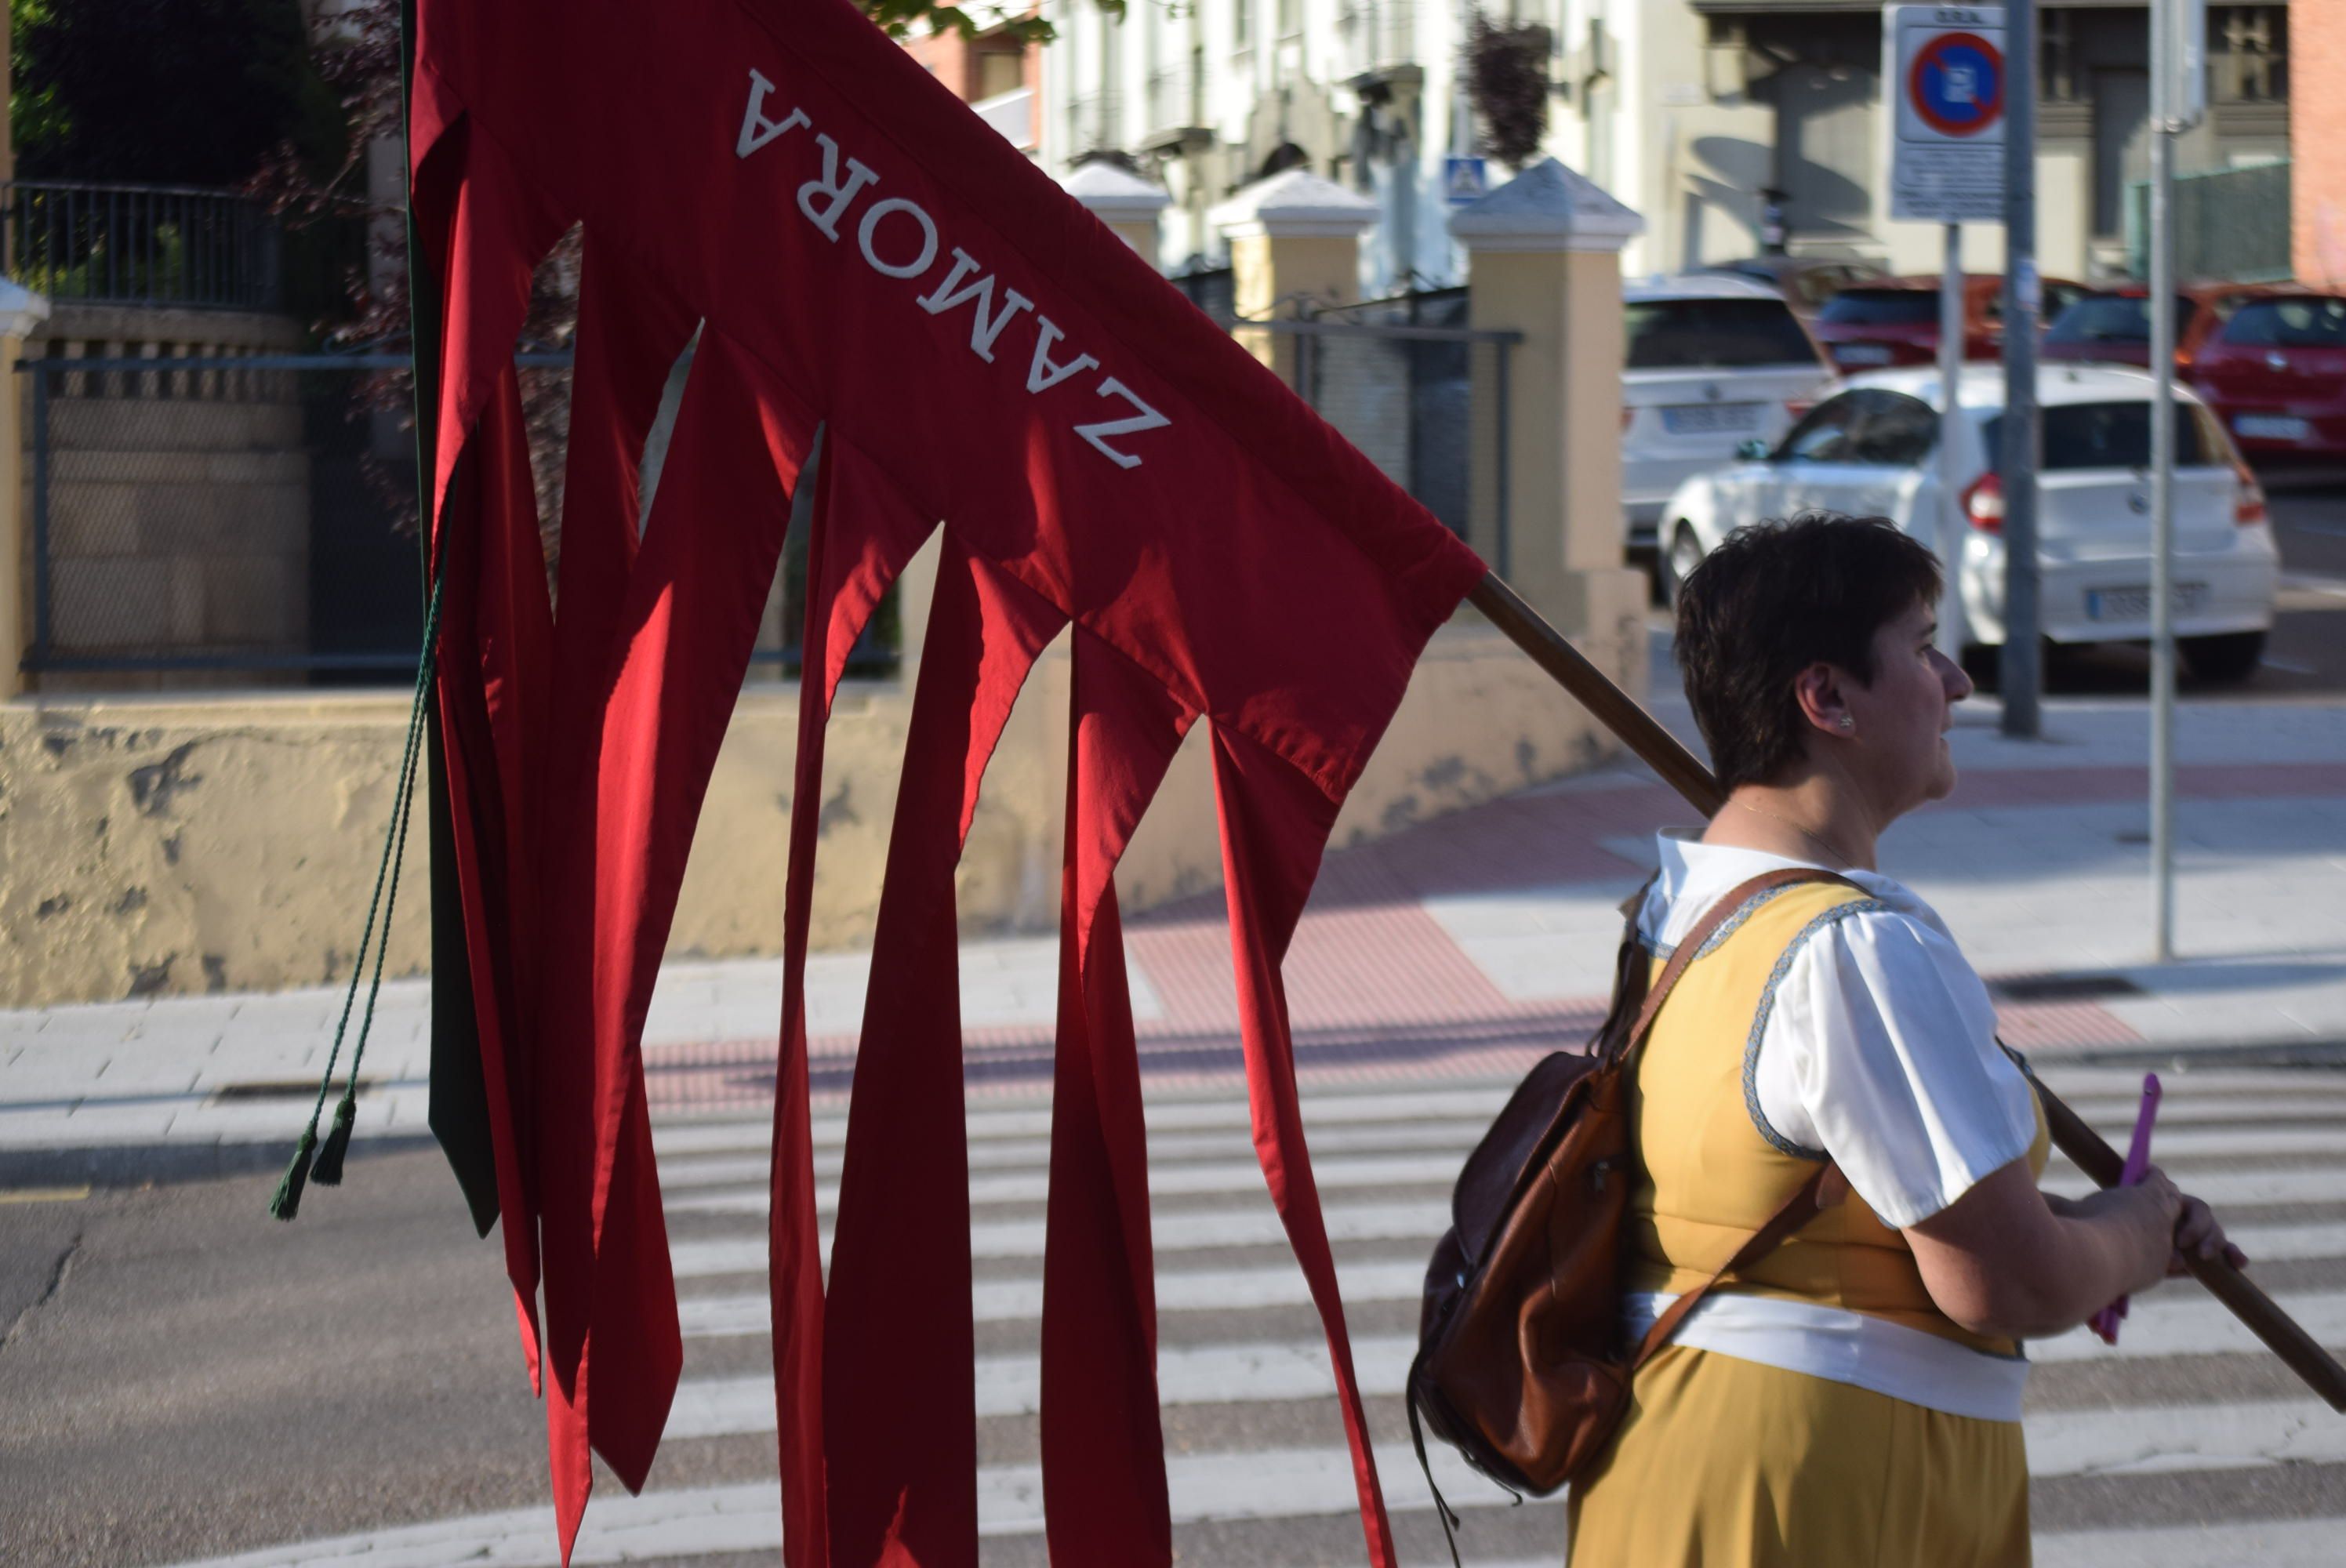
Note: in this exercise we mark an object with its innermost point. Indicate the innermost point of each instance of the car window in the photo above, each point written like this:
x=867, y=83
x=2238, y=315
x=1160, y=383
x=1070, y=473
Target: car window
x=2308, y=323
x=1827, y=435
x=2118, y=435
x=2114, y=319
x=2059, y=297
x=1894, y=430
x=1714, y=334
x=1863, y=307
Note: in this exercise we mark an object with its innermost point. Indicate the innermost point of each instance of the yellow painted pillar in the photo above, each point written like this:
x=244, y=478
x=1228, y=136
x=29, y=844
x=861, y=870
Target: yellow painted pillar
x=1124, y=201
x=1295, y=245
x=1545, y=261
x=21, y=313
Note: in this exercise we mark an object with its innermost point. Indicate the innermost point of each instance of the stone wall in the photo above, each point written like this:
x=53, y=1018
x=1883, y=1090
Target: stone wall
x=178, y=501
x=182, y=844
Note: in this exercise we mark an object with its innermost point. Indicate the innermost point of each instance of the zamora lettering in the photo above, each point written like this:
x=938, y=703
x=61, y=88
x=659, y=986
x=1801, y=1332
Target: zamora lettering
x=898, y=239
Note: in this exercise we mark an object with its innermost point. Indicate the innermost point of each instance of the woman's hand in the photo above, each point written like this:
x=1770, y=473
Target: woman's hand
x=2154, y=1206
x=2197, y=1234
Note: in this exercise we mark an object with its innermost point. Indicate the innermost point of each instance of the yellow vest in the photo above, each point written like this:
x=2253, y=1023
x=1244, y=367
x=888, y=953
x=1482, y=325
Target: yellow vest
x=1709, y=1175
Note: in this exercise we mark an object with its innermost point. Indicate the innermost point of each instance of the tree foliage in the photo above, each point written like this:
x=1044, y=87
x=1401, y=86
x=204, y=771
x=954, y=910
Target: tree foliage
x=163, y=92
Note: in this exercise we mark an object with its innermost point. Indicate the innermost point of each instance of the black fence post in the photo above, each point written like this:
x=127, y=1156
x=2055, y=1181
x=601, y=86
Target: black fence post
x=40, y=654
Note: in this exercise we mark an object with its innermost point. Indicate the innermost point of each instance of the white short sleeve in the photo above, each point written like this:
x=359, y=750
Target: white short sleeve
x=1878, y=1049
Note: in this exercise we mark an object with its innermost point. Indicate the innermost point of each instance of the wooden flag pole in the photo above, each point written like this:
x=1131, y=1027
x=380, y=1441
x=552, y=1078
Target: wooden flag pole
x=1684, y=771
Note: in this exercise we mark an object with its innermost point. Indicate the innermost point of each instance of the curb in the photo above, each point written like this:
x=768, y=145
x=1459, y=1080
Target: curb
x=163, y=1163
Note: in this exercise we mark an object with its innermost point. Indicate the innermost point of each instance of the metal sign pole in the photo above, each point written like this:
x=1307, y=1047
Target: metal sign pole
x=2164, y=35
x=2022, y=673
x=1952, y=636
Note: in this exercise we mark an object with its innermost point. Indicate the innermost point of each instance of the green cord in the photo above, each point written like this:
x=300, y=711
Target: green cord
x=328, y=1167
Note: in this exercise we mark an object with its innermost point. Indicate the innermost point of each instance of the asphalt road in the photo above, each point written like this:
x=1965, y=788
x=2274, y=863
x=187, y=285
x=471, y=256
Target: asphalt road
x=183, y=1377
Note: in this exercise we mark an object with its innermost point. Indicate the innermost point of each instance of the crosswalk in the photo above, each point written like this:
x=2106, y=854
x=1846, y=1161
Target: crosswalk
x=2182, y=1447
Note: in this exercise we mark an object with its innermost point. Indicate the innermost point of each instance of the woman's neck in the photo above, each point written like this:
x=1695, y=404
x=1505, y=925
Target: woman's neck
x=1816, y=817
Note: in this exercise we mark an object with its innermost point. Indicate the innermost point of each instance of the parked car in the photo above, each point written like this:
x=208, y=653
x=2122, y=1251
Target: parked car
x=2112, y=326
x=2275, y=373
x=1806, y=282
x=1895, y=321
x=1708, y=362
x=1871, y=449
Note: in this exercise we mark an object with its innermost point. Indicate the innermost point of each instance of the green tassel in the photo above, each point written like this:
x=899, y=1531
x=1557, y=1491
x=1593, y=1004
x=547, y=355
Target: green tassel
x=288, y=1201
x=328, y=1170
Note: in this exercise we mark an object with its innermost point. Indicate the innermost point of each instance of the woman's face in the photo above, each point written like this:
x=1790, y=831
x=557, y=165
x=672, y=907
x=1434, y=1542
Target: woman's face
x=1902, y=717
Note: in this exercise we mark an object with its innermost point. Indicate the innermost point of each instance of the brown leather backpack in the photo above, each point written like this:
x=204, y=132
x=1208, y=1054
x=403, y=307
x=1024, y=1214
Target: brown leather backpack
x=1521, y=1363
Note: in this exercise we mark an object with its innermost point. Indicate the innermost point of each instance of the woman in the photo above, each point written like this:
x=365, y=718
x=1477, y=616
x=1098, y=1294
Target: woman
x=1854, y=1398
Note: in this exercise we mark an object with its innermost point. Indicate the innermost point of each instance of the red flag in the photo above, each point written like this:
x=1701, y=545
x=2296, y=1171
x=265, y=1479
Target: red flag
x=865, y=259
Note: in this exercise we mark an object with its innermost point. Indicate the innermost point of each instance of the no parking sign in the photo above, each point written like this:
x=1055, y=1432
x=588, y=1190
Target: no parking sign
x=1945, y=64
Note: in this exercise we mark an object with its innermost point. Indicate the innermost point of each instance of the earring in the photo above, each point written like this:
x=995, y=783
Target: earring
x=1846, y=722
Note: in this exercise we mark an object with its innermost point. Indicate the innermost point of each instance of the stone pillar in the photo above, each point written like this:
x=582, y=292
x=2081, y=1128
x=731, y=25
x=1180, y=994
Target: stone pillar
x=1295, y=242
x=1123, y=200
x=1545, y=261
x=21, y=313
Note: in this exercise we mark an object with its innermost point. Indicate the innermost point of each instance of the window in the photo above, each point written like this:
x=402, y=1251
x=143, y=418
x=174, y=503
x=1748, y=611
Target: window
x=2114, y=319
x=1882, y=308
x=2118, y=435
x=1894, y=430
x=2315, y=322
x=2248, y=53
x=1826, y=435
x=1714, y=334
x=1000, y=71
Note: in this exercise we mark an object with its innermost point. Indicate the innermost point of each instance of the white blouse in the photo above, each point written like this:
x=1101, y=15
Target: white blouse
x=1876, y=1046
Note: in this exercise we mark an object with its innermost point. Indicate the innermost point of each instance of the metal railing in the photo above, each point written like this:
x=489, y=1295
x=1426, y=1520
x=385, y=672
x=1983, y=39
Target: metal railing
x=2231, y=225
x=143, y=245
x=1424, y=395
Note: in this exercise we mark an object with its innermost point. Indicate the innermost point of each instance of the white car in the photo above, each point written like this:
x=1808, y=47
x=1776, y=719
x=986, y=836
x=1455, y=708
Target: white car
x=1709, y=363
x=1871, y=449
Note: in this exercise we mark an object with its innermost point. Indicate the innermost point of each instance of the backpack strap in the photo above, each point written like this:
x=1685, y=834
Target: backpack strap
x=1802, y=1205
x=1718, y=914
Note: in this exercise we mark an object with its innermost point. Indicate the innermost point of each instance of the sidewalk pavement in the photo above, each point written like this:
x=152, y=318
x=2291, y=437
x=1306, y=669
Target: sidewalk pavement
x=1463, y=948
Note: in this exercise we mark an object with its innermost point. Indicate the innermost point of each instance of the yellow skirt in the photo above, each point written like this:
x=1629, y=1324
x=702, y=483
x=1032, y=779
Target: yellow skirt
x=1725, y=1463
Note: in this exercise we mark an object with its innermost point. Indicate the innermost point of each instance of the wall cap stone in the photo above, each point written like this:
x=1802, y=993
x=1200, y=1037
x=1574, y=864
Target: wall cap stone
x=1547, y=208
x=1115, y=195
x=1298, y=204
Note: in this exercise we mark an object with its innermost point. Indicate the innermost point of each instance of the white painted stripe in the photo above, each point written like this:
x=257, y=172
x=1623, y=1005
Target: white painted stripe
x=1276, y=1485
x=2108, y=1103
x=1277, y=1285
x=2201, y=1437
x=2180, y=1319
x=1164, y=1179
x=1021, y=1300
x=2322, y=1184
x=1283, y=1370
x=1452, y=1140
x=2267, y=1543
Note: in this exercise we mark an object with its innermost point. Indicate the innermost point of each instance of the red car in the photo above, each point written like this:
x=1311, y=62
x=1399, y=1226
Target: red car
x=2112, y=326
x=2275, y=373
x=1896, y=321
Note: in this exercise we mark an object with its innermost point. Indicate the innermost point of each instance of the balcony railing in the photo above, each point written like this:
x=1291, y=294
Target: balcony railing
x=1377, y=34
x=143, y=245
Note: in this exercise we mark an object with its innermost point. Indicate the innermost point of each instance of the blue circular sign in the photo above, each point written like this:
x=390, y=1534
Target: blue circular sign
x=1957, y=83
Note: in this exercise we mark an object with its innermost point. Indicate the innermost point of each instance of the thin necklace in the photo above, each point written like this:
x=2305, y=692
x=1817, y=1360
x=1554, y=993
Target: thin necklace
x=1831, y=850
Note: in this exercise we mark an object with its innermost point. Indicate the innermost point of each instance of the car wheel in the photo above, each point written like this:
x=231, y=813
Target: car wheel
x=2229, y=658
x=1685, y=554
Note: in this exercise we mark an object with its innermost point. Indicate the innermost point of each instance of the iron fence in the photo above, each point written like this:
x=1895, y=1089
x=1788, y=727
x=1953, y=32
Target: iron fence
x=202, y=520
x=2231, y=225
x=144, y=245
x=1423, y=394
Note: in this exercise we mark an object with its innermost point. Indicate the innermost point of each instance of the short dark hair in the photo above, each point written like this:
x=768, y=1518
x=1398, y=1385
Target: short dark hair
x=1773, y=599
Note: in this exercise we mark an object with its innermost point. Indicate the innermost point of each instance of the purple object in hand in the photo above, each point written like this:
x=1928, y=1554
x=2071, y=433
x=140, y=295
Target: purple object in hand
x=2106, y=1321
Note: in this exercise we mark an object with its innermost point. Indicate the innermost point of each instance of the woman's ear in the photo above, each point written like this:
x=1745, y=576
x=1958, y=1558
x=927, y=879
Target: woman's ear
x=1819, y=691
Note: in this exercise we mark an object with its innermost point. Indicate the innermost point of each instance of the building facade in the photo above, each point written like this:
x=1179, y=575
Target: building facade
x=1716, y=119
